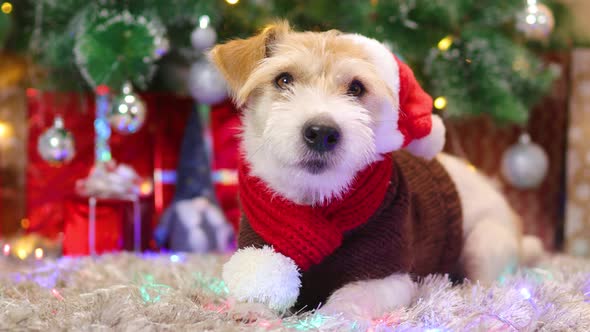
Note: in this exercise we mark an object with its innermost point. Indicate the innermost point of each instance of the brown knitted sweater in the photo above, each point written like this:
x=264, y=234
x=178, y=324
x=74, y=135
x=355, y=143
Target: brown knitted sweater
x=417, y=230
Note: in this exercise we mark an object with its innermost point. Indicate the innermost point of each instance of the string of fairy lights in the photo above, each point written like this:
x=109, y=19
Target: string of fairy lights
x=524, y=285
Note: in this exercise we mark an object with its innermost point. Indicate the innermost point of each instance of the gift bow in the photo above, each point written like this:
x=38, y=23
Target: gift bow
x=109, y=180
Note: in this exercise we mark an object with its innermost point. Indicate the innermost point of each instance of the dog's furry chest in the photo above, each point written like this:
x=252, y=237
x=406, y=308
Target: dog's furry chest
x=417, y=229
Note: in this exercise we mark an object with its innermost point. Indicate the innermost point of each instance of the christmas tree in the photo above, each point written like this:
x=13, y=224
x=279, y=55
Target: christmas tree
x=474, y=57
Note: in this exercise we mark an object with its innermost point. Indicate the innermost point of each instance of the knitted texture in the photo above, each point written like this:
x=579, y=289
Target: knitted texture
x=308, y=234
x=417, y=229
x=415, y=117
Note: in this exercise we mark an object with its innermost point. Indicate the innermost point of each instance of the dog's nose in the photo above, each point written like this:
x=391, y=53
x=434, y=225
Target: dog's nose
x=321, y=137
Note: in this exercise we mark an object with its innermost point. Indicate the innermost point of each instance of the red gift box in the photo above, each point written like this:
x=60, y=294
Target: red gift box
x=155, y=146
x=119, y=224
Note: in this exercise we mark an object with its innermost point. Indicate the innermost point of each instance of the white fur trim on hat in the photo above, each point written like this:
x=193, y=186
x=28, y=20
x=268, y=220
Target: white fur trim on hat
x=429, y=146
x=263, y=276
x=382, y=58
x=387, y=135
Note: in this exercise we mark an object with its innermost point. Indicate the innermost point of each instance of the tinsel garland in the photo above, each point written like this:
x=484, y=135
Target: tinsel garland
x=179, y=292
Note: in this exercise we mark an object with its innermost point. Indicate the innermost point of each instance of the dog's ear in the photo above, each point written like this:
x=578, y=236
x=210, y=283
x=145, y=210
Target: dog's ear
x=237, y=58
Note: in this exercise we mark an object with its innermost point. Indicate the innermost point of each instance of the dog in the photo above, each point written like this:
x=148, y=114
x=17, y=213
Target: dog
x=322, y=127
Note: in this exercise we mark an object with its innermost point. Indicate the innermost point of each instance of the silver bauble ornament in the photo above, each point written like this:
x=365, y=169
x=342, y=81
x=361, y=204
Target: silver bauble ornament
x=206, y=84
x=56, y=144
x=128, y=111
x=536, y=21
x=204, y=36
x=525, y=164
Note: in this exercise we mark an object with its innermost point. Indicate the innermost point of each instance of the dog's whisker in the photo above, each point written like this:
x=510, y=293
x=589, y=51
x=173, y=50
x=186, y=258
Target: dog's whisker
x=261, y=146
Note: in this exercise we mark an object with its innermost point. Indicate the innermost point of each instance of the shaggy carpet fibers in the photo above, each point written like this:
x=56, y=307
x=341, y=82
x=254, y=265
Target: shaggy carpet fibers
x=125, y=292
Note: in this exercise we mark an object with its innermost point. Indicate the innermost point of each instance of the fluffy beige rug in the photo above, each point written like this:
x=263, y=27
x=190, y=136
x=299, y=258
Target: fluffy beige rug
x=183, y=293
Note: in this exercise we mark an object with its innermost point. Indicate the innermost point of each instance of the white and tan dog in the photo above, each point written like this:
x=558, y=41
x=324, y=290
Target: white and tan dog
x=283, y=80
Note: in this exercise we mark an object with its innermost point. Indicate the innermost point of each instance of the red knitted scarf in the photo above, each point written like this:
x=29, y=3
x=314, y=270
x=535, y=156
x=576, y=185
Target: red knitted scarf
x=308, y=234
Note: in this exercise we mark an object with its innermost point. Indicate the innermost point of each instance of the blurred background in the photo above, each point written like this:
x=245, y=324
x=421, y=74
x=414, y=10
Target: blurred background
x=112, y=122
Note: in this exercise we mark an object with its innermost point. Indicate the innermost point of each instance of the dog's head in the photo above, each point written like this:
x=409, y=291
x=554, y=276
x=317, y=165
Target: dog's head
x=318, y=107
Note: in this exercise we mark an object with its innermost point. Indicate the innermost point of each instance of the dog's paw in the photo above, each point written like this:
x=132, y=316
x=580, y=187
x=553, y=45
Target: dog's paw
x=263, y=276
x=250, y=312
x=350, y=302
x=365, y=300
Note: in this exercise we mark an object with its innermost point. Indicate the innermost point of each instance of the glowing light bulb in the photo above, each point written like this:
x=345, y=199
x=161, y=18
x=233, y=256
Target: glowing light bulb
x=232, y=2
x=6, y=249
x=174, y=258
x=440, y=103
x=25, y=223
x=204, y=21
x=146, y=187
x=39, y=253
x=129, y=99
x=22, y=253
x=5, y=130
x=526, y=294
x=57, y=295
x=6, y=7
x=445, y=43
x=123, y=108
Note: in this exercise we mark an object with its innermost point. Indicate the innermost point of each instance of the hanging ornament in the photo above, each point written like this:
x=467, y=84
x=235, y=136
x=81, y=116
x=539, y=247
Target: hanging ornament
x=203, y=37
x=525, y=164
x=56, y=144
x=536, y=21
x=128, y=111
x=206, y=84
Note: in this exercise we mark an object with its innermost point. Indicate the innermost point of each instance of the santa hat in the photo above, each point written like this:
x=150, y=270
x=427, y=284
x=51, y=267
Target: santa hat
x=410, y=124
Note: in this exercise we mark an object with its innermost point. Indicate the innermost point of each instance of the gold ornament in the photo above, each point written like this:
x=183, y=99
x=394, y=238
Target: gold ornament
x=536, y=22
x=128, y=111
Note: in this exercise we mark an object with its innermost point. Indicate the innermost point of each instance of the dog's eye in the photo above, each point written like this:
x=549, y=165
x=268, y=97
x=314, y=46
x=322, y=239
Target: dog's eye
x=283, y=80
x=356, y=89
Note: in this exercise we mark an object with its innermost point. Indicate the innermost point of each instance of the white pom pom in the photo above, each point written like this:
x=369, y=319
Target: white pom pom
x=432, y=144
x=264, y=276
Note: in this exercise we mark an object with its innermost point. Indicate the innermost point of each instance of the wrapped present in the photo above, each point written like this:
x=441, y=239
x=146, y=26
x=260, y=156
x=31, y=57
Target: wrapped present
x=151, y=150
x=101, y=225
x=107, y=214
